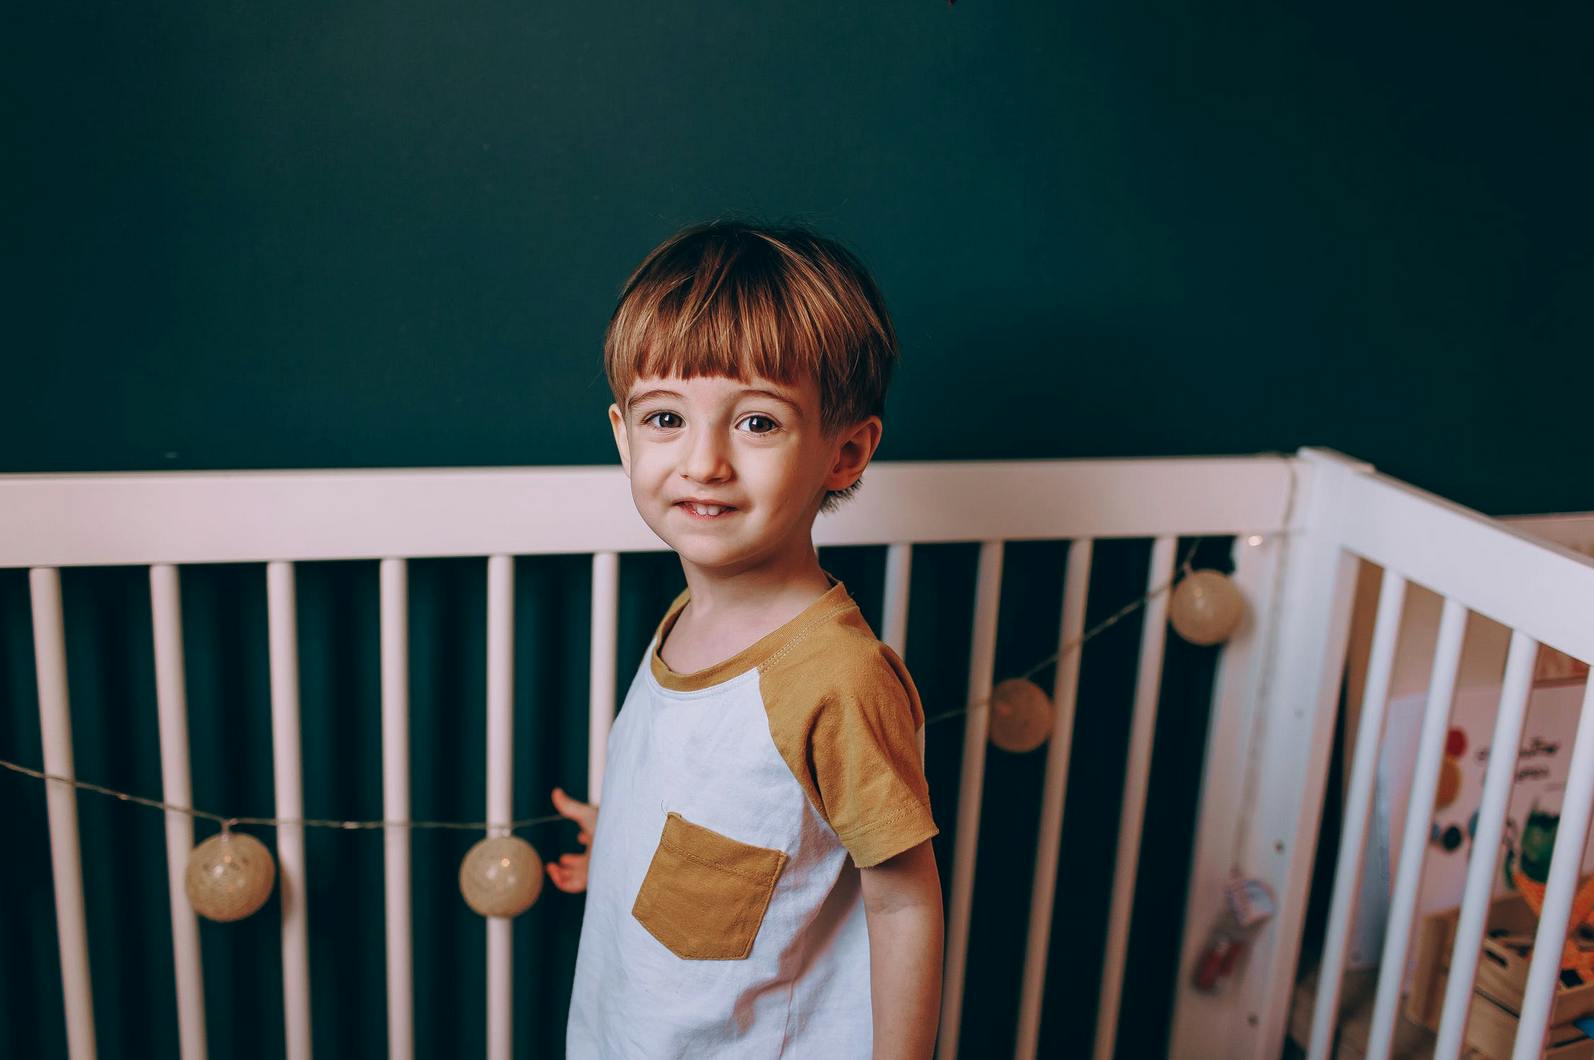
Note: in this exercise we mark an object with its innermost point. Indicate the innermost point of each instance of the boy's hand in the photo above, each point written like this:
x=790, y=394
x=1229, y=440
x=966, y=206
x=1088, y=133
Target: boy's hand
x=569, y=873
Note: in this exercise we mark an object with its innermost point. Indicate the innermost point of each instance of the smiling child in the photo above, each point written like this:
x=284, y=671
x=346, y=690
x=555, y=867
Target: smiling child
x=762, y=883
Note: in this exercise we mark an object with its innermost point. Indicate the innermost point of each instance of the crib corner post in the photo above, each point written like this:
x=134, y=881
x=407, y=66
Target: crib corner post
x=1267, y=760
x=1201, y=1018
x=1299, y=701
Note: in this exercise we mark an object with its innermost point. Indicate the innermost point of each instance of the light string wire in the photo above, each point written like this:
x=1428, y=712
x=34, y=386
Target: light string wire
x=227, y=823
x=1111, y=620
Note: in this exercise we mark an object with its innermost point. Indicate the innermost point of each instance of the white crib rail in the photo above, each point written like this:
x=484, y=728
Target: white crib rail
x=1358, y=809
x=601, y=694
x=142, y=518
x=894, y=619
x=55, y=730
x=282, y=621
x=1479, y=888
x=1049, y=833
x=279, y=518
x=500, y=786
x=396, y=805
x=172, y=698
x=1414, y=840
x=1137, y=780
x=1571, y=837
x=1273, y=828
x=982, y=659
x=1542, y=593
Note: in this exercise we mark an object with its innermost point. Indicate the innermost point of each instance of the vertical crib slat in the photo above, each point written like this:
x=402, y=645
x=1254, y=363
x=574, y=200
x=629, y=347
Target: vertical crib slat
x=1566, y=863
x=1497, y=781
x=288, y=776
x=396, y=806
x=1065, y=688
x=1143, y=728
x=982, y=661
x=500, y=787
x=55, y=730
x=601, y=704
x=172, y=700
x=1358, y=807
x=1414, y=840
x=894, y=623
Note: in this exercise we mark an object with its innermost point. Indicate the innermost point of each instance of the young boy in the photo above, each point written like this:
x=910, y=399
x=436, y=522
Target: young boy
x=763, y=883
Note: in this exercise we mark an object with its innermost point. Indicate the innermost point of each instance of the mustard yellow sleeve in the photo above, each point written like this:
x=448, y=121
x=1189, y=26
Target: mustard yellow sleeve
x=864, y=756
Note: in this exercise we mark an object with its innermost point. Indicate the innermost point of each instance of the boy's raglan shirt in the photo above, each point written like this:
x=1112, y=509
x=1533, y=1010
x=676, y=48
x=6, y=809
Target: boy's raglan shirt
x=724, y=913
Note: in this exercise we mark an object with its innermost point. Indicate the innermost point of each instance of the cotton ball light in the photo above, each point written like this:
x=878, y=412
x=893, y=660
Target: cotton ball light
x=1206, y=607
x=229, y=876
x=501, y=876
x=1021, y=715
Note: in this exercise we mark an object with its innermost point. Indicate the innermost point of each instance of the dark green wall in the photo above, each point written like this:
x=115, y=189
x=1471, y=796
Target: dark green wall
x=296, y=235
x=284, y=235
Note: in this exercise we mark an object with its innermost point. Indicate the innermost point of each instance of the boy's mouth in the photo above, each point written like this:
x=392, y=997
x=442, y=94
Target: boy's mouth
x=705, y=511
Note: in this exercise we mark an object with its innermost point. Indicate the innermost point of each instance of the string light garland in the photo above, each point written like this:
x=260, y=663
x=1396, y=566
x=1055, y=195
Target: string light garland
x=528, y=822
x=276, y=822
x=231, y=875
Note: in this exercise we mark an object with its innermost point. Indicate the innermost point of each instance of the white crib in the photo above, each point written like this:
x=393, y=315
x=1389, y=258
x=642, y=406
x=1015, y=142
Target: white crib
x=1300, y=524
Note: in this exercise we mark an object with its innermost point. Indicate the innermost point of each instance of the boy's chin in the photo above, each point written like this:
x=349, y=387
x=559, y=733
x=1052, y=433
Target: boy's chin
x=711, y=558
x=708, y=559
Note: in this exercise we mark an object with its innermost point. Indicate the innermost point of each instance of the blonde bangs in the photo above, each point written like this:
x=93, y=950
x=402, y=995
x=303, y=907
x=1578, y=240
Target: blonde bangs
x=728, y=299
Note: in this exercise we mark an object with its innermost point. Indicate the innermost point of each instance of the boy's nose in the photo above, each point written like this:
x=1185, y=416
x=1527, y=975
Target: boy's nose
x=707, y=458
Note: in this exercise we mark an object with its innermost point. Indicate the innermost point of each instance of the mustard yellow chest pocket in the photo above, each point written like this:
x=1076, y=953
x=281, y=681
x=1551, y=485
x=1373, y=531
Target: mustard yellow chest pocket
x=705, y=894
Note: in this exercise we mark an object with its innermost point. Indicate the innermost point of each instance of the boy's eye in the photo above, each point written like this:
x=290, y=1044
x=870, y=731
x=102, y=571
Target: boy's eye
x=754, y=421
x=662, y=413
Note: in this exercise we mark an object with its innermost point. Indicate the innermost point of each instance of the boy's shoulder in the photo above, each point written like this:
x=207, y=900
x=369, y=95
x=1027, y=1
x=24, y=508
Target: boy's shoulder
x=836, y=662
x=827, y=656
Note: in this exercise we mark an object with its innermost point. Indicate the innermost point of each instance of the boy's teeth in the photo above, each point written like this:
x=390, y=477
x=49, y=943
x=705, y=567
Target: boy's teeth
x=707, y=509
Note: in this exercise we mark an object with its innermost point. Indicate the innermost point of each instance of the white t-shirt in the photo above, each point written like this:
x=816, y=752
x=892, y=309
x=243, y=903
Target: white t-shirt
x=724, y=916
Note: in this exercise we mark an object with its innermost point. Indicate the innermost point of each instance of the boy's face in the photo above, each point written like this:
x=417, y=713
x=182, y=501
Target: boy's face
x=753, y=448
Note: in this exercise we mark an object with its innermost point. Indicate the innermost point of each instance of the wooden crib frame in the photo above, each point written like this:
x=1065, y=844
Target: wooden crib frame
x=1300, y=524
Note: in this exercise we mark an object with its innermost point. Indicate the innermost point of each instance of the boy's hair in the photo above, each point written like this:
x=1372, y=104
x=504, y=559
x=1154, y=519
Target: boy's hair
x=736, y=299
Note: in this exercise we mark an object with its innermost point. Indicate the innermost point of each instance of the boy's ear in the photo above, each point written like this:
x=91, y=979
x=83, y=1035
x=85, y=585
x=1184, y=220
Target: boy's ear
x=617, y=425
x=856, y=447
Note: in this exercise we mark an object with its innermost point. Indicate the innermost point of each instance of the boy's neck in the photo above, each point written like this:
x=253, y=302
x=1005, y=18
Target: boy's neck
x=758, y=594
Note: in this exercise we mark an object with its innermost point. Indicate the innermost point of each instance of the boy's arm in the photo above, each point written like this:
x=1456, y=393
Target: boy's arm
x=902, y=906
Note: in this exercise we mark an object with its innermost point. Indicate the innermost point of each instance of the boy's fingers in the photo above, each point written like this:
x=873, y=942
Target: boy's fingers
x=567, y=880
x=584, y=837
x=583, y=813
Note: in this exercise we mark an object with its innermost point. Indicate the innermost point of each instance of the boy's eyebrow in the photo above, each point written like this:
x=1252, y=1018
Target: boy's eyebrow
x=782, y=398
x=659, y=392
x=637, y=399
